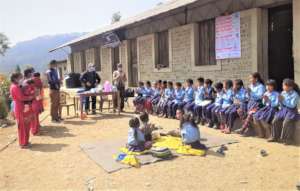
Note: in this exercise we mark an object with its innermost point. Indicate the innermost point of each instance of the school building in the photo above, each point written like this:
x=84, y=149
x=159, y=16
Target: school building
x=190, y=38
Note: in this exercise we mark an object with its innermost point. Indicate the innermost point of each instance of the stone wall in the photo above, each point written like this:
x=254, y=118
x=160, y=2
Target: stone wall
x=106, y=66
x=183, y=50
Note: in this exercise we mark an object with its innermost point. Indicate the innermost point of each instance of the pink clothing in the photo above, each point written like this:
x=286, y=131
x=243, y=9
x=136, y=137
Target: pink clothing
x=23, y=118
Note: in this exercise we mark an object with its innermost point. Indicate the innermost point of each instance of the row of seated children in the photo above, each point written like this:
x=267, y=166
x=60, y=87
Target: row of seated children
x=140, y=132
x=221, y=105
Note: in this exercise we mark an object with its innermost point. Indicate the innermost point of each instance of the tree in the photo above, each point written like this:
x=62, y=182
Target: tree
x=3, y=44
x=116, y=17
x=18, y=69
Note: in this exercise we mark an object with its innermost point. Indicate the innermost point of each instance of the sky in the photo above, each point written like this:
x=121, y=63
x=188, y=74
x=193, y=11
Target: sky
x=22, y=20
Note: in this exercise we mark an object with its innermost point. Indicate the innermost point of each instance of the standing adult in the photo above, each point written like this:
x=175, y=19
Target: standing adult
x=24, y=115
x=54, y=87
x=119, y=80
x=90, y=79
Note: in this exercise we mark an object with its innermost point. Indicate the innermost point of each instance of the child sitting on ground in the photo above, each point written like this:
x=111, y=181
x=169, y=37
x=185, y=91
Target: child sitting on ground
x=136, y=139
x=146, y=127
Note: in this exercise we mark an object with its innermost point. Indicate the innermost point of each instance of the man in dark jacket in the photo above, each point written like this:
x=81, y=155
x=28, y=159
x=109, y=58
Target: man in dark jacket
x=54, y=85
x=90, y=79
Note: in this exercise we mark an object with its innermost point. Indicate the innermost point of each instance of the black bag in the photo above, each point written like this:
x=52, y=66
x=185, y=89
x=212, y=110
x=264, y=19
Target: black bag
x=129, y=92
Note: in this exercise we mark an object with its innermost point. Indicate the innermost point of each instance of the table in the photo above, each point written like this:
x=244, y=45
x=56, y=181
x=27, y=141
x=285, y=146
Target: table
x=89, y=94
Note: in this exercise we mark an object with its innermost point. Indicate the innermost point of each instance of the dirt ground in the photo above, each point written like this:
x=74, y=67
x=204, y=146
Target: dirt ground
x=56, y=162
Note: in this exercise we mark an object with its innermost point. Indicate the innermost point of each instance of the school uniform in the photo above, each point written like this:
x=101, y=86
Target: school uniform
x=212, y=109
x=136, y=140
x=188, y=99
x=208, y=96
x=156, y=96
x=147, y=96
x=190, y=135
x=197, y=105
x=231, y=114
x=283, y=125
x=227, y=102
x=138, y=101
x=168, y=95
x=178, y=99
x=266, y=113
x=255, y=103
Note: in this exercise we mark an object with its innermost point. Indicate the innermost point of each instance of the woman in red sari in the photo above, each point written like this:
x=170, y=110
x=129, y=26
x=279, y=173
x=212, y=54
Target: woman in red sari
x=24, y=115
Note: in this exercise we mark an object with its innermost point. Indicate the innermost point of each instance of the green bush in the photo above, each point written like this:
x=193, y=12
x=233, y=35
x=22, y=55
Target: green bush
x=4, y=97
x=3, y=108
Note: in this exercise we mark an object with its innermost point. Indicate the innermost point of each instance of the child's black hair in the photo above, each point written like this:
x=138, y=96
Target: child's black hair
x=159, y=81
x=14, y=77
x=200, y=80
x=208, y=82
x=239, y=82
x=258, y=77
x=165, y=82
x=291, y=83
x=229, y=83
x=144, y=117
x=141, y=83
x=272, y=83
x=178, y=84
x=218, y=86
x=170, y=83
x=148, y=83
x=37, y=75
x=190, y=81
x=188, y=117
x=134, y=122
x=28, y=72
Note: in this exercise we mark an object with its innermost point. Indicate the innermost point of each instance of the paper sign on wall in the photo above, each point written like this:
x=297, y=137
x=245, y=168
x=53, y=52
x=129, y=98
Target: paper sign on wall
x=228, y=36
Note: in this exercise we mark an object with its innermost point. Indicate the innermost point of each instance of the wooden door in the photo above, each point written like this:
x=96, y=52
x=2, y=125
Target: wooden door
x=281, y=64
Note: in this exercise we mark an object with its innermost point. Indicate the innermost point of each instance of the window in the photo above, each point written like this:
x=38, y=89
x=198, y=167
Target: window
x=162, y=51
x=115, y=58
x=207, y=51
x=98, y=59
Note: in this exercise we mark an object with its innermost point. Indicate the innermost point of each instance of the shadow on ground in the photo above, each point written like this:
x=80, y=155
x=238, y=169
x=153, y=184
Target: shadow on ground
x=47, y=147
x=56, y=132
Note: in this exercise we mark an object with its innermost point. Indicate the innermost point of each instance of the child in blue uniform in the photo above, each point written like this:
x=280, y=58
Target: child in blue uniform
x=189, y=130
x=239, y=105
x=212, y=109
x=178, y=99
x=156, y=94
x=136, y=138
x=188, y=96
x=227, y=98
x=199, y=100
x=256, y=91
x=283, y=125
x=148, y=94
x=169, y=97
x=208, y=98
x=138, y=101
x=266, y=114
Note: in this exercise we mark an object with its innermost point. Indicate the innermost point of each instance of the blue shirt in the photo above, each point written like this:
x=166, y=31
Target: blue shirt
x=139, y=138
x=53, y=79
x=219, y=100
x=199, y=95
x=241, y=95
x=189, y=94
x=290, y=99
x=208, y=93
x=227, y=98
x=179, y=95
x=189, y=133
x=273, y=99
x=169, y=93
x=148, y=92
x=140, y=91
x=257, y=91
x=156, y=92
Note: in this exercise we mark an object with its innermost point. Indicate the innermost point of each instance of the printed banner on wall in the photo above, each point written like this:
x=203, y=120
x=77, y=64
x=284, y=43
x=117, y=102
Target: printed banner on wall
x=228, y=37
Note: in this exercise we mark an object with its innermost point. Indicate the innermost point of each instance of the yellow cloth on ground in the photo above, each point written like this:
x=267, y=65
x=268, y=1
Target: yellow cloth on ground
x=126, y=151
x=174, y=143
x=130, y=160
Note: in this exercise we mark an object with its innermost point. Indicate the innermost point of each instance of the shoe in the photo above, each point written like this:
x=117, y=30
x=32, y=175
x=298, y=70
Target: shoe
x=226, y=131
x=210, y=125
x=25, y=146
x=55, y=121
x=94, y=113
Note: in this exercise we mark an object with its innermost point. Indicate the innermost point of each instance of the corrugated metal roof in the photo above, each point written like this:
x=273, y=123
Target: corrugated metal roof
x=160, y=9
